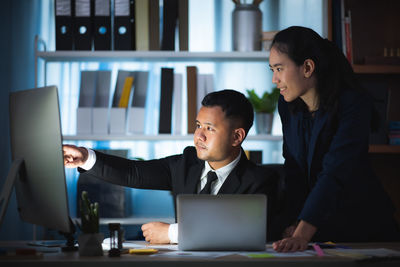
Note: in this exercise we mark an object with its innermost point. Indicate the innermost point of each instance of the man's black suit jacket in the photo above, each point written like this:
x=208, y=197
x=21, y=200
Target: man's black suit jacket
x=181, y=174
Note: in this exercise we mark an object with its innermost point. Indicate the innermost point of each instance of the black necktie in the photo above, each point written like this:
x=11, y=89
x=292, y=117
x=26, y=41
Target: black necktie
x=211, y=177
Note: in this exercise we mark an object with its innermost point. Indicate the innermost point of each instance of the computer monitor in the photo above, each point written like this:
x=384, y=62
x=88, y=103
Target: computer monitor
x=37, y=171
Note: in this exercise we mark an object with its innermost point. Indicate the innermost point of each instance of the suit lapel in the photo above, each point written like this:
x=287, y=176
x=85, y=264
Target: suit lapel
x=193, y=178
x=319, y=122
x=232, y=182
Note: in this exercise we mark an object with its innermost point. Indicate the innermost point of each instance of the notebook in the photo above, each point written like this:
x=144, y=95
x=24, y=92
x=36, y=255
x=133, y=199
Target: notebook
x=222, y=222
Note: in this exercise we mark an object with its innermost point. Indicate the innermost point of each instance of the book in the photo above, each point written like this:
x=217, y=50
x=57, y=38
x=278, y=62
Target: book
x=342, y=15
x=119, y=86
x=201, y=90
x=177, y=105
x=183, y=25
x=126, y=92
x=170, y=16
x=349, y=38
x=142, y=25
x=154, y=24
x=167, y=84
x=191, y=74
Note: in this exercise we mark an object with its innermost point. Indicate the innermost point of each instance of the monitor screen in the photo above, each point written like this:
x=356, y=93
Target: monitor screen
x=35, y=134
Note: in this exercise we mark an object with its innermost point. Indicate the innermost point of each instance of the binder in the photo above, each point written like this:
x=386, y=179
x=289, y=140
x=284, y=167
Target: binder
x=170, y=16
x=167, y=84
x=83, y=25
x=64, y=25
x=124, y=25
x=102, y=25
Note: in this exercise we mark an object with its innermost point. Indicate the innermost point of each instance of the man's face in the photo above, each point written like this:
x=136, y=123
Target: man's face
x=214, y=137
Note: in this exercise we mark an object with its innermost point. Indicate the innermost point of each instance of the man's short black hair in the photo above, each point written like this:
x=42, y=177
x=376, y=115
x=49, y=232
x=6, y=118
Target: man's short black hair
x=235, y=105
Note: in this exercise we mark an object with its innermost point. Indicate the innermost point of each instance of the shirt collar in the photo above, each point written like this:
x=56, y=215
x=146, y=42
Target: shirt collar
x=223, y=172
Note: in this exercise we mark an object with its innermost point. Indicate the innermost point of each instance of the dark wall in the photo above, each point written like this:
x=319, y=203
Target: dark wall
x=19, y=22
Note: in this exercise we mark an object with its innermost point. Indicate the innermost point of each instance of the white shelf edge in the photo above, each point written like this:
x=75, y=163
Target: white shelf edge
x=160, y=137
x=132, y=220
x=71, y=56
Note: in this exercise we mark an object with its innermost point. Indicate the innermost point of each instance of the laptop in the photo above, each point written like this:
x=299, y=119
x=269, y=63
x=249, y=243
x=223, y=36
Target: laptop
x=222, y=222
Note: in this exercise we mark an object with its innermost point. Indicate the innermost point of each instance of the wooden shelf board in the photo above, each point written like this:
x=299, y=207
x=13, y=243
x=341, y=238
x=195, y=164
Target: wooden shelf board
x=379, y=69
x=384, y=149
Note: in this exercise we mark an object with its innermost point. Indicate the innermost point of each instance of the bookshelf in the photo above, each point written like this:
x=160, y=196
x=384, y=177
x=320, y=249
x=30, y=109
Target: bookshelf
x=145, y=56
x=379, y=72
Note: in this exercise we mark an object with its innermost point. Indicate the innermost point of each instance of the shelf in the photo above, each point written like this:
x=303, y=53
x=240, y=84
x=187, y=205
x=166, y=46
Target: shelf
x=384, y=149
x=159, y=137
x=155, y=56
x=131, y=220
x=377, y=69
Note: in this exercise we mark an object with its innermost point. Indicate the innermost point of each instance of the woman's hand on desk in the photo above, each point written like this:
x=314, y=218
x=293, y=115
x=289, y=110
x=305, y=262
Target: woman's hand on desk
x=298, y=241
x=74, y=156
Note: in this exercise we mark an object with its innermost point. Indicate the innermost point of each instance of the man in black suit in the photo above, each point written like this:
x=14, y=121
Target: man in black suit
x=216, y=165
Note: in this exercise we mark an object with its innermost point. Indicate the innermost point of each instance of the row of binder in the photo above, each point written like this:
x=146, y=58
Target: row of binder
x=125, y=113
x=120, y=24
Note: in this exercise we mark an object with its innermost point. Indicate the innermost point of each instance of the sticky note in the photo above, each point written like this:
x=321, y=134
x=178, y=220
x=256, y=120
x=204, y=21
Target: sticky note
x=142, y=251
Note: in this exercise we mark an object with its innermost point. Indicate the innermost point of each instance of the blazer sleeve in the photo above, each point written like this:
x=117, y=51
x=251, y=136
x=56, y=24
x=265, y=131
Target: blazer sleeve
x=295, y=186
x=345, y=161
x=150, y=174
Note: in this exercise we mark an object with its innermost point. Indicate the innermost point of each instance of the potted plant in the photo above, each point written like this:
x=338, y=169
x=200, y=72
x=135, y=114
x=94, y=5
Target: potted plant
x=90, y=240
x=264, y=107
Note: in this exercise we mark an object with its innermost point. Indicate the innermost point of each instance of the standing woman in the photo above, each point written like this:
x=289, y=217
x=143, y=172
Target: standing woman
x=333, y=194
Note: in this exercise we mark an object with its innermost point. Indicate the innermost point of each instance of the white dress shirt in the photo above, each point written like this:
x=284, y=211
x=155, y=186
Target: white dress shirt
x=222, y=174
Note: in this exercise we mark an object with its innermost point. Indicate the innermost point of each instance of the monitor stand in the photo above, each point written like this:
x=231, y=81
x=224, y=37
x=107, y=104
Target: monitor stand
x=17, y=170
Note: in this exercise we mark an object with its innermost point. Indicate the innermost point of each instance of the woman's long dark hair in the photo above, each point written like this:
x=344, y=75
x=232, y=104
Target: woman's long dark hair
x=333, y=71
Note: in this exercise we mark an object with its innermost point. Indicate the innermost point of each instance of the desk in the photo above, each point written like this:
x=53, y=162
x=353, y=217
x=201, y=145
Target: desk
x=72, y=259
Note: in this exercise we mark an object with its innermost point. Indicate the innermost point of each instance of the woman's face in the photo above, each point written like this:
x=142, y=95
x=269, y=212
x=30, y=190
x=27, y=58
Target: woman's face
x=293, y=81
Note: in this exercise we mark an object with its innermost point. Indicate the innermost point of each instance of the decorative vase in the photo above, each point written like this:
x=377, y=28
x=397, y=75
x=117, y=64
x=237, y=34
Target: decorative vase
x=263, y=123
x=246, y=28
x=90, y=244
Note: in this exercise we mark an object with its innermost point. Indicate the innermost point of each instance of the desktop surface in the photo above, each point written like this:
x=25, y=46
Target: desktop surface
x=163, y=258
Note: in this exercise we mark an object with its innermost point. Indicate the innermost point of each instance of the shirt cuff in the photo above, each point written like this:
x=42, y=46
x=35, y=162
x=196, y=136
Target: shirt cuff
x=173, y=233
x=90, y=161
